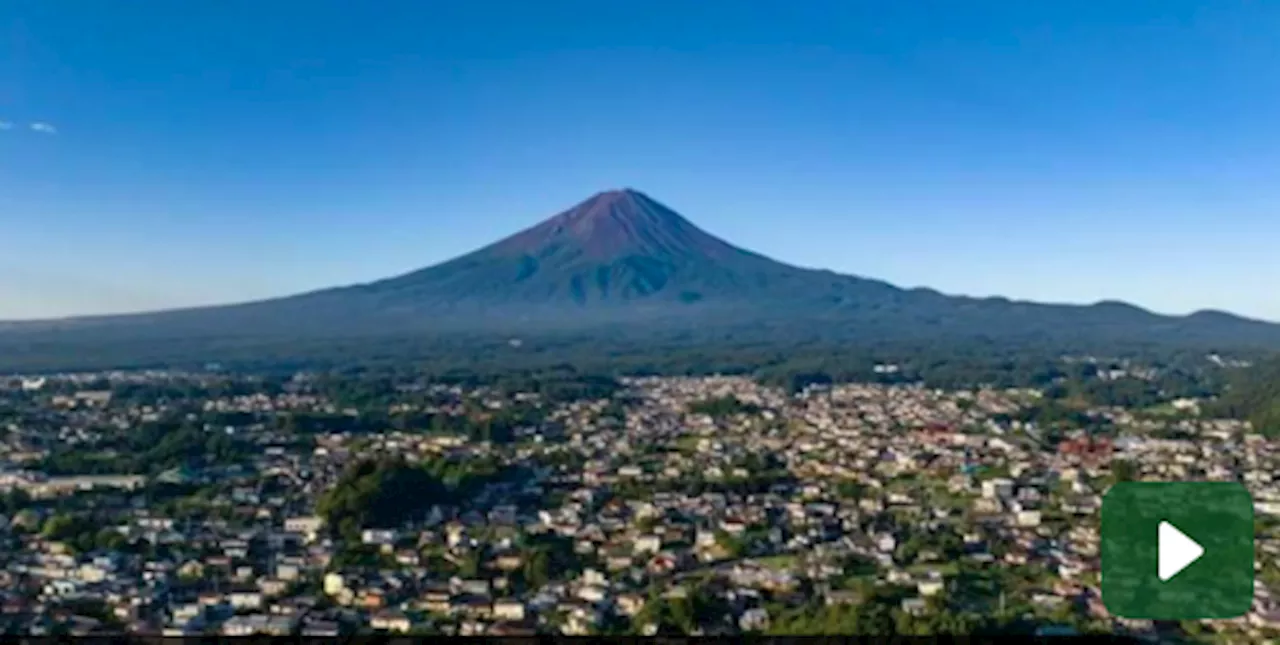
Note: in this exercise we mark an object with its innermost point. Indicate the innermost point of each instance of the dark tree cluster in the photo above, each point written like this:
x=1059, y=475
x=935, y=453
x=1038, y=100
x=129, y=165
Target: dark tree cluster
x=381, y=493
x=151, y=448
x=724, y=406
x=1254, y=394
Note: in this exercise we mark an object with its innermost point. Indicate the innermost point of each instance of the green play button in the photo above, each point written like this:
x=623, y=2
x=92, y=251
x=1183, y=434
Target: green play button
x=1177, y=551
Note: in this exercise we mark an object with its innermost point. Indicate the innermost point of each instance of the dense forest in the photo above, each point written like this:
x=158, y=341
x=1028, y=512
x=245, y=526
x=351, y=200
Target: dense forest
x=1253, y=394
x=783, y=348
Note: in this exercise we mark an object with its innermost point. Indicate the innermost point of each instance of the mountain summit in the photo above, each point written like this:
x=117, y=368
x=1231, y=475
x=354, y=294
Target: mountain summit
x=617, y=247
x=612, y=224
x=621, y=260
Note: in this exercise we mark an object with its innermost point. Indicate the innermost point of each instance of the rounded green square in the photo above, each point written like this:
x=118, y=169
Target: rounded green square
x=1218, y=516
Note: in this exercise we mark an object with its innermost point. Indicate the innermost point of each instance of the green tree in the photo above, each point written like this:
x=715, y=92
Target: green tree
x=1123, y=470
x=537, y=569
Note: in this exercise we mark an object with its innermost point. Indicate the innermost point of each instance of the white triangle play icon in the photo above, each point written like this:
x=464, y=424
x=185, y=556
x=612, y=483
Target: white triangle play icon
x=1175, y=551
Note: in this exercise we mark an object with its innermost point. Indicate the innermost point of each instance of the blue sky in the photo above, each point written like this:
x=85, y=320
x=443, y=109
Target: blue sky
x=204, y=152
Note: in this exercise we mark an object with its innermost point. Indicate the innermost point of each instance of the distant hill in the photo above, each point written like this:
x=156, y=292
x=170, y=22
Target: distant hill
x=620, y=261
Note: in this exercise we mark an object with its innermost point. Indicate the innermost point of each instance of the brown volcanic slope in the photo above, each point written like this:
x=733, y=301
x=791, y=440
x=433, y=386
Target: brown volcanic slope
x=621, y=258
x=616, y=248
x=615, y=224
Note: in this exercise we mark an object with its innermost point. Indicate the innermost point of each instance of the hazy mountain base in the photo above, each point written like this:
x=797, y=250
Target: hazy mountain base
x=663, y=345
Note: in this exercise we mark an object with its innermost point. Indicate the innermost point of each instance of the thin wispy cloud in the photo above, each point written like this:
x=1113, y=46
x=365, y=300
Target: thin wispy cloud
x=6, y=125
x=43, y=128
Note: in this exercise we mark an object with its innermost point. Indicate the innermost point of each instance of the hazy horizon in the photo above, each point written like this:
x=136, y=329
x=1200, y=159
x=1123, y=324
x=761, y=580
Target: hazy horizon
x=155, y=157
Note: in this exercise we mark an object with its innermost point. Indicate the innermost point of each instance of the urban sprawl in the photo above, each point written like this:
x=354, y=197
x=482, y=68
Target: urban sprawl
x=204, y=503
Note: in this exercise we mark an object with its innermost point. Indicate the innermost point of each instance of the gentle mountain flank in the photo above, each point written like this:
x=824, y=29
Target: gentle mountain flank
x=623, y=261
